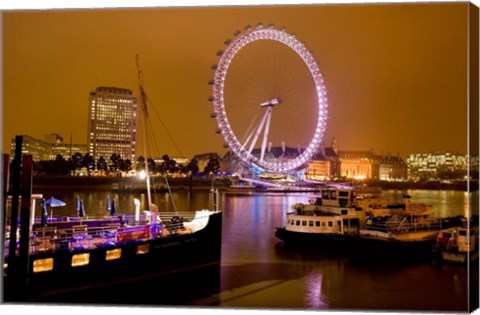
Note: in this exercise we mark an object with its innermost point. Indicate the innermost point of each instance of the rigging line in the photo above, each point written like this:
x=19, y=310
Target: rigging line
x=154, y=145
x=170, y=192
x=166, y=129
x=164, y=173
x=149, y=134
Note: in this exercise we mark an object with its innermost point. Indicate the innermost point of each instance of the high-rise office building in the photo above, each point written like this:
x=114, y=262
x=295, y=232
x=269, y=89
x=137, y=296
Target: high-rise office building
x=112, y=123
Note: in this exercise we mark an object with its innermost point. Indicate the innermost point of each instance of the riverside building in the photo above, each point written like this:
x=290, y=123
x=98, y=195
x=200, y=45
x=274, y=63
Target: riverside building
x=112, y=123
x=49, y=148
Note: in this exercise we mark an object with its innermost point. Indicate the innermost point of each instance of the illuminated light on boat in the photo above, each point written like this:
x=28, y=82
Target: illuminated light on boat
x=42, y=265
x=113, y=254
x=80, y=259
x=143, y=249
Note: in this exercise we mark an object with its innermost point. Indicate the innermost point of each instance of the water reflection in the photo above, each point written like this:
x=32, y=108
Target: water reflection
x=445, y=202
x=314, y=297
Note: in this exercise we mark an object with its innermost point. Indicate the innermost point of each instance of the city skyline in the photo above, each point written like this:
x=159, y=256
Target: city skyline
x=396, y=74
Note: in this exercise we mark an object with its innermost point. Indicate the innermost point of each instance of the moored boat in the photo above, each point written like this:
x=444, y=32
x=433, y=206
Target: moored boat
x=343, y=218
x=63, y=254
x=331, y=219
x=457, y=245
x=69, y=253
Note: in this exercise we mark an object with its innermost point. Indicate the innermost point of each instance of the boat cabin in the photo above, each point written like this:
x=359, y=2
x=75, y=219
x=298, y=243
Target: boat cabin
x=335, y=197
x=325, y=223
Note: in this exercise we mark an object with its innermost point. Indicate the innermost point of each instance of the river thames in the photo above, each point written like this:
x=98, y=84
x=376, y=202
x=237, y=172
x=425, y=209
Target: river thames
x=259, y=272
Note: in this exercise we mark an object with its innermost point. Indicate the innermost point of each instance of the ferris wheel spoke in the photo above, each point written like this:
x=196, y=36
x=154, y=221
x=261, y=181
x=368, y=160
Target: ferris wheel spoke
x=257, y=133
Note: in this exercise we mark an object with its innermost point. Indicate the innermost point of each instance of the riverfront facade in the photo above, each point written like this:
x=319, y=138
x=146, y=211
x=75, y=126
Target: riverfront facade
x=49, y=148
x=112, y=123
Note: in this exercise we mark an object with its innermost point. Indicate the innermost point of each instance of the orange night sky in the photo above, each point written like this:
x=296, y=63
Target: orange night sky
x=396, y=74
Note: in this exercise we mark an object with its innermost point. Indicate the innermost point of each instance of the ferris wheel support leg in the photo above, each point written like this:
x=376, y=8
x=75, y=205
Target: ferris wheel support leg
x=257, y=134
x=265, y=134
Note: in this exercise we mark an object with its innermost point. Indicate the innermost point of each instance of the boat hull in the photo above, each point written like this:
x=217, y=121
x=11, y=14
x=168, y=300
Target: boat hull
x=124, y=262
x=459, y=258
x=356, y=244
x=326, y=241
x=396, y=249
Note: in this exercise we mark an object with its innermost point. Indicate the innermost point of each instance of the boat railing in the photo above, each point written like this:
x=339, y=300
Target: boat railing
x=403, y=226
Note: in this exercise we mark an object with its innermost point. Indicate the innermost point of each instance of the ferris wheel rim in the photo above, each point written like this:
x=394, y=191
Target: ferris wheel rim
x=220, y=114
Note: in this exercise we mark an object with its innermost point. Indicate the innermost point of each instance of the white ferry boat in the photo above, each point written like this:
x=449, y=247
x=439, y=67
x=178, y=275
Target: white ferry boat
x=335, y=215
x=342, y=217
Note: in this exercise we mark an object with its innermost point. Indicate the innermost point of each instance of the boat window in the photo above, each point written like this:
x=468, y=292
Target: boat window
x=333, y=194
x=317, y=223
x=304, y=223
x=80, y=259
x=298, y=222
x=344, y=211
x=145, y=248
x=462, y=232
x=343, y=193
x=310, y=223
x=41, y=265
x=325, y=194
x=355, y=222
x=330, y=223
x=343, y=202
x=113, y=254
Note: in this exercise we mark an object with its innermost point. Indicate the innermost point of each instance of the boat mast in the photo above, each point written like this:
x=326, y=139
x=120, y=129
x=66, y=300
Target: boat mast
x=143, y=105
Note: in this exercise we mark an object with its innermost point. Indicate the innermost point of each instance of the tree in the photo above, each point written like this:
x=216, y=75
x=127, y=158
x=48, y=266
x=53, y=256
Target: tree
x=114, y=165
x=140, y=164
x=76, y=162
x=102, y=165
x=169, y=165
x=213, y=166
x=88, y=163
x=125, y=165
x=191, y=167
x=60, y=165
x=152, y=166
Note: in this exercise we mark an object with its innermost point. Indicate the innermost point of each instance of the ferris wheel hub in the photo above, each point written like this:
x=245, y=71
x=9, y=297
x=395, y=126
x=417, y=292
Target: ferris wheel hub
x=272, y=102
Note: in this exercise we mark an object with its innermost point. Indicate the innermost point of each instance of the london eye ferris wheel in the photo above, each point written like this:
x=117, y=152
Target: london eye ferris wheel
x=268, y=92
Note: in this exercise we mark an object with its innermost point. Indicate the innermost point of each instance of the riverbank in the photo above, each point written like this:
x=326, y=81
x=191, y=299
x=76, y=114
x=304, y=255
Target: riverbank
x=221, y=183
x=426, y=185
